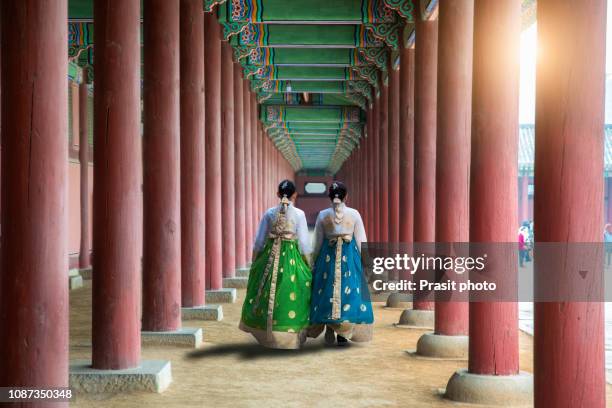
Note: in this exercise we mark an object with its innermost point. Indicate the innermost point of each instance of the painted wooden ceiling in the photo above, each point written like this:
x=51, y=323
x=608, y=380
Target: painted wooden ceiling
x=315, y=65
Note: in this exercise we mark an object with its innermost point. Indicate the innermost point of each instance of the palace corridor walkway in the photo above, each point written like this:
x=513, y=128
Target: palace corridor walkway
x=232, y=364
x=145, y=159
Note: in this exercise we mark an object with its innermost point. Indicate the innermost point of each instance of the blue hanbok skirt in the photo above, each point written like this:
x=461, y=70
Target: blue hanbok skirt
x=355, y=308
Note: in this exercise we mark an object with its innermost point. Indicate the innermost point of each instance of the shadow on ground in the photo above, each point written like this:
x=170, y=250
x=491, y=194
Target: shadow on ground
x=254, y=351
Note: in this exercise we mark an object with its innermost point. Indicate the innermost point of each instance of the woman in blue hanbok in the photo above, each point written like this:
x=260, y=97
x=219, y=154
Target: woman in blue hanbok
x=340, y=296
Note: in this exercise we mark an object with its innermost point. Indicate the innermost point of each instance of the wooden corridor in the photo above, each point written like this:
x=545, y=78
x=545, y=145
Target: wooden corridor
x=232, y=364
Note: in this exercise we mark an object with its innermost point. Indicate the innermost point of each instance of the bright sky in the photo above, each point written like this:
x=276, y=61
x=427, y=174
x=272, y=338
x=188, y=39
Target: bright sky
x=528, y=69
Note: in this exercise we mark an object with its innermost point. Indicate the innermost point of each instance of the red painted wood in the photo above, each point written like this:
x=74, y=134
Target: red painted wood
x=117, y=196
x=248, y=170
x=425, y=105
x=239, y=169
x=394, y=154
x=193, y=153
x=161, y=306
x=569, y=341
x=455, y=38
x=406, y=145
x=493, y=326
x=84, y=250
x=228, y=187
x=255, y=162
x=34, y=291
x=376, y=171
x=370, y=214
x=363, y=172
x=383, y=163
x=214, y=221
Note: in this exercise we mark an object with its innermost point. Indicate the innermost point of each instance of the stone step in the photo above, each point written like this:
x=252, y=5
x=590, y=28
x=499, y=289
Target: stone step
x=238, y=282
x=224, y=295
x=191, y=337
x=75, y=280
x=152, y=376
x=86, y=273
x=206, y=312
x=243, y=272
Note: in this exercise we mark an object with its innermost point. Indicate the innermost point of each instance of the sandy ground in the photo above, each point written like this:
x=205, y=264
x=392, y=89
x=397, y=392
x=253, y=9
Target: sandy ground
x=232, y=370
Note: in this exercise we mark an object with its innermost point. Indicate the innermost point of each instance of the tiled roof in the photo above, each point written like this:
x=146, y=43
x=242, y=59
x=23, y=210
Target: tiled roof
x=526, y=153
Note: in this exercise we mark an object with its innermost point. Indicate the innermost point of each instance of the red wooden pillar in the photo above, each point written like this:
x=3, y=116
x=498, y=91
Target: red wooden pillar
x=365, y=141
x=569, y=342
x=452, y=166
x=212, y=69
x=34, y=297
x=453, y=144
x=370, y=214
x=256, y=161
x=425, y=105
x=383, y=163
x=524, y=207
x=117, y=200
x=493, y=326
x=406, y=145
x=228, y=189
x=351, y=178
x=161, y=162
x=239, y=170
x=193, y=154
x=84, y=257
x=376, y=171
x=405, y=149
x=248, y=171
x=394, y=153
x=264, y=167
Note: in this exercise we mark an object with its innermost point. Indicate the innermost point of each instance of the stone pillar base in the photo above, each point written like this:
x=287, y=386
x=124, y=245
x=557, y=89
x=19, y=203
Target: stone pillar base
x=86, y=273
x=75, y=280
x=443, y=347
x=238, y=283
x=395, y=300
x=416, y=319
x=183, y=337
x=153, y=376
x=498, y=390
x=225, y=295
x=206, y=312
x=243, y=272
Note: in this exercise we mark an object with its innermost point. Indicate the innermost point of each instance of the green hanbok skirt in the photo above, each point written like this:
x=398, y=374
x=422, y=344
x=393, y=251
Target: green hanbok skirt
x=279, y=272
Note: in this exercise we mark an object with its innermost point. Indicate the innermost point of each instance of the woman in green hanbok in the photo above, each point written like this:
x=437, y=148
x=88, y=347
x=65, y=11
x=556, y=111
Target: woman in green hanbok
x=277, y=303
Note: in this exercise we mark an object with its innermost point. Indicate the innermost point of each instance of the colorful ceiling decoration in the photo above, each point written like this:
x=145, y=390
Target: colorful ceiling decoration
x=315, y=65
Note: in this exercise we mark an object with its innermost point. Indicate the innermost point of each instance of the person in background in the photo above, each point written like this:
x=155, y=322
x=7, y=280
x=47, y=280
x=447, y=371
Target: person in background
x=523, y=235
x=277, y=303
x=608, y=243
x=340, y=296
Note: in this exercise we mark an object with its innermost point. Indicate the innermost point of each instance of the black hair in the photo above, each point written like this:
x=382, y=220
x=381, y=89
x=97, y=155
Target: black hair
x=337, y=189
x=286, y=188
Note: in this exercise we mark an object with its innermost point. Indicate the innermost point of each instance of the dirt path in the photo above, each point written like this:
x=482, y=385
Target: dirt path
x=233, y=371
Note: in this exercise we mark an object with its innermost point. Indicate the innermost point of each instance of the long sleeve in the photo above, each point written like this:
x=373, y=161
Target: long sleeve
x=360, y=234
x=262, y=233
x=319, y=235
x=302, y=234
